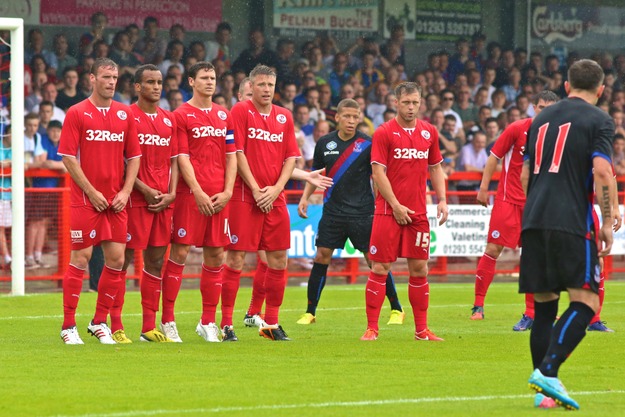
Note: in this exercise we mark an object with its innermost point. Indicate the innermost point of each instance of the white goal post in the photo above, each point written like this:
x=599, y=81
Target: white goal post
x=16, y=26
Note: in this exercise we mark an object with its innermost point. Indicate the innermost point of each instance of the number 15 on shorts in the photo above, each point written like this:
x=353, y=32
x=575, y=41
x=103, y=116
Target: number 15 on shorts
x=423, y=240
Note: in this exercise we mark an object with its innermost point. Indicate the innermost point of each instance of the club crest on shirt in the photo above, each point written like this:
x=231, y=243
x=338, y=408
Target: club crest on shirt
x=182, y=232
x=425, y=134
x=234, y=239
x=495, y=234
x=122, y=115
x=167, y=121
x=373, y=250
x=357, y=147
x=92, y=234
x=331, y=146
x=128, y=237
x=597, y=273
x=222, y=115
x=281, y=118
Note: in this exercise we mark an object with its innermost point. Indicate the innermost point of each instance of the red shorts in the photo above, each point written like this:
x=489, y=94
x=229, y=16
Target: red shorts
x=88, y=227
x=146, y=228
x=505, y=224
x=390, y=241
x=253, y=230
x=190, y=227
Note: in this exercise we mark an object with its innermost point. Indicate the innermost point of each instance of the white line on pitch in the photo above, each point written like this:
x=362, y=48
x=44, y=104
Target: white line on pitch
x=328, y=404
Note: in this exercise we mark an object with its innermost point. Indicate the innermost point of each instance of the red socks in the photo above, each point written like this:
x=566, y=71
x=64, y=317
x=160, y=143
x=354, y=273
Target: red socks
x=374, y=297
x=419, y=296
x=229, y=287
x=529, y=306
x=275, y=284
x=483, y=278
x=72, y=286
x=597, y=316
x=150, y=299
x=210, y=288
x=258, y=289
x=118, y=304
x=172, y=279
x=108, y=287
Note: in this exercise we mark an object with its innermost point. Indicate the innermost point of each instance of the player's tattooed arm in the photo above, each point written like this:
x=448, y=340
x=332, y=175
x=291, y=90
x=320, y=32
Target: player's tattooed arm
x=604, y=182
x=487, y=175
x=221, y=199
x=400, y=213
x=616, y=209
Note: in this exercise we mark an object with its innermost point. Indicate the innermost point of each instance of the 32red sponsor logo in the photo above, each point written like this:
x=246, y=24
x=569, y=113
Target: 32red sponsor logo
x=98, y=135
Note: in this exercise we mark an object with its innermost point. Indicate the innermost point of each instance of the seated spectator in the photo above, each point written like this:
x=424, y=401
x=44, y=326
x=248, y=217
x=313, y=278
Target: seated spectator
x=70, y=94
x=447, y=102
x=301, y=117
x=257, y=53
x=472, y=158
x=390, y=107
x=484, y=114
x=287, y=94
x=499, y=102
x=363, y=117
x=311, y=96
x=173, y=56
x=513, y=88
x=35, y=46
x=101, y=49
x=368, y=76
x=364, y=128
x=325, y=103
x=174, y=99
x=377, y=101
x=226, y=89
x=84, y=84
x=285, y=50
x=122, y=54
x=465, y=109
x=125, y=91
x=449, y=144
x=492, y=133
x=50, y=93
x=219, y=48
x=63, y=59
x=96, y=33
x=39, y=65
x=151, y=47
x=46, y=112
x=513, y=114
x=219, y=99
x=38, y=81
x=338, y=76
x=523, y=104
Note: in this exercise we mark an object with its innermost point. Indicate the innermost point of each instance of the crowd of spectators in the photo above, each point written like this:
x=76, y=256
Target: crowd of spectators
x=470, y=92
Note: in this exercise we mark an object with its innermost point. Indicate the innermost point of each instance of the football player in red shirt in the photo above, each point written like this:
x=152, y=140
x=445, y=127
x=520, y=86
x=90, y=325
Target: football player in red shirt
x=208, y=166
x=98, y=135
x=149, y=210
x=266, y=152
x=505, y=221
x=403, y=151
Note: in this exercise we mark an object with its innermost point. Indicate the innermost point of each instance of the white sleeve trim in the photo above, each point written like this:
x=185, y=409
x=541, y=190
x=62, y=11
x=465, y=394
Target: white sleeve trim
x=66, y=154
x=378, y=163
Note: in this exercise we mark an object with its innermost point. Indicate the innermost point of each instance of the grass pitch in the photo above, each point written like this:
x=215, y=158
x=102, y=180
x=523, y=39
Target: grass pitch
x=480, y=370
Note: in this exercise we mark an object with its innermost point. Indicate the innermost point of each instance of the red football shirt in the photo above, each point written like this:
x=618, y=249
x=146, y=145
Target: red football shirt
x=206, y=137
x=267, y=142
x=100, y=141
x=157, y=137
x=407, y=158
x=509, y=148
